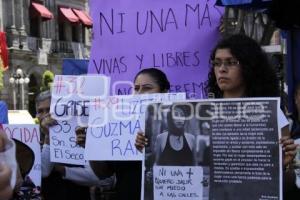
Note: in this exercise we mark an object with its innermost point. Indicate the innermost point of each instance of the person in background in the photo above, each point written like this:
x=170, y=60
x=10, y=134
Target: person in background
x=294, y=189
x=240, y=69
x=63, y=181
x=295, y=126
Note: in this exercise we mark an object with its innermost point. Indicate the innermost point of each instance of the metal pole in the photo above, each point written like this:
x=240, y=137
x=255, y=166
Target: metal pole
x=14, y=98
x=22, y=96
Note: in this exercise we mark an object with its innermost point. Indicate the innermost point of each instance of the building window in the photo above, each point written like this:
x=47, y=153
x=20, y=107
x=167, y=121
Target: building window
x=75, y=33
x=38, y=13
x=61, y=27
x=35, y=27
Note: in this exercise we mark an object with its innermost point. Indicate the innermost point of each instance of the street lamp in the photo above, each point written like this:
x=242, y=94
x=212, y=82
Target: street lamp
x=18, y=79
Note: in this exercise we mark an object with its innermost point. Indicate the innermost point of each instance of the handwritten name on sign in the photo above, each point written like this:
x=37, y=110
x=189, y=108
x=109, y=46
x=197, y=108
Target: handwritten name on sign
x=29, y=135
x=175, y=36
x=63, y=143
x=114, y=123
x=182, y=183
x=71, y=98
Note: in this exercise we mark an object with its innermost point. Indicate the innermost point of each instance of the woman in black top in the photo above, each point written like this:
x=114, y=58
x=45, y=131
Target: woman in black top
x=175, y=147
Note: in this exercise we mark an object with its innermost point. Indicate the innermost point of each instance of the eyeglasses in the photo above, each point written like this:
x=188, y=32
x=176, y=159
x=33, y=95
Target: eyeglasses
x=226, y=63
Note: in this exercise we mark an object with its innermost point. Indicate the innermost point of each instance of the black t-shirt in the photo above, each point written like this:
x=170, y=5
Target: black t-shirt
x=129, y=177
x=54, y=187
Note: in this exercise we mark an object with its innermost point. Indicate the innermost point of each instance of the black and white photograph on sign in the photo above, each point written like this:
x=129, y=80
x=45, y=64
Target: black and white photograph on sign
x=180, y=143
x=213, y=149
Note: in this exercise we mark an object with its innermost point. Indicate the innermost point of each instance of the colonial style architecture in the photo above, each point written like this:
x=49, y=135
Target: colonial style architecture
x=40, y=34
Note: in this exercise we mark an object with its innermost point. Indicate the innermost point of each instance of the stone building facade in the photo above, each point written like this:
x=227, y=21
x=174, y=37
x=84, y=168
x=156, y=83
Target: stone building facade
x=37, y=42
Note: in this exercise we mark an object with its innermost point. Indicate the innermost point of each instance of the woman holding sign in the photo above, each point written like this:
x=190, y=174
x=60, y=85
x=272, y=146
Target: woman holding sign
x=128, y=173
x=240, y=69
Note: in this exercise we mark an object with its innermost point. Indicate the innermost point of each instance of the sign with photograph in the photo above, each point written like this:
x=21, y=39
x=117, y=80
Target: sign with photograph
x=235, y=142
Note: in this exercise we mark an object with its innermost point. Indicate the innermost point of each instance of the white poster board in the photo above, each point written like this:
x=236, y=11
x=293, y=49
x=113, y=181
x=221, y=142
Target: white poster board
x=29, y=135
x=114, y=123
x=71, y=96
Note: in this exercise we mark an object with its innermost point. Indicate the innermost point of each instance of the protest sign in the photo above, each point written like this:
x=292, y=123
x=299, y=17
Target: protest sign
x=177, y=182
x=175, y=36
x=71, y=96
x=114, y=123
x=235, y=141
x=28, y=150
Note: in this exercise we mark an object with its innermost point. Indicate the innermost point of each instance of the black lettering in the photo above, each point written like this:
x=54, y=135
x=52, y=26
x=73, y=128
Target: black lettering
x=56, y=108
x=73, y=143
x=110, y=26
x=196, y=55
x=113, y=128
x=124, y=126
x=140, y=58
x=196, y=9
x=58, y=153
x=123, y=64
x=172, y=17
x=121, y=24
x=206, y=11
x=129, y=147
x=115, y=147
x=137, y=24
x=159, y=23
x=186, y=56
x=154, y=61
x=178, y=58
x=111, y=65
x=169, y=59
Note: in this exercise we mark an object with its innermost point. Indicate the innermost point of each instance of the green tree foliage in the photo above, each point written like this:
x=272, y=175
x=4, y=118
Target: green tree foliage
x=47, y=80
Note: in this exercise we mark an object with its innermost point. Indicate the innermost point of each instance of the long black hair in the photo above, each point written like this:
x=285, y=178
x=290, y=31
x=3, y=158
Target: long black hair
x=172, y=129
x=158, y=76
x=259, y=76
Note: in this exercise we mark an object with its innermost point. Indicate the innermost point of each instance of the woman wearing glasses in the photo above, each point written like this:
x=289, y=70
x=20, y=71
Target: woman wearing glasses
x=240, y=68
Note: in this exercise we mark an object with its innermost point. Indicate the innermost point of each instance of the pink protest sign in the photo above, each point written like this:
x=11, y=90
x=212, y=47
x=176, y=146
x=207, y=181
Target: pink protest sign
x=175, y=36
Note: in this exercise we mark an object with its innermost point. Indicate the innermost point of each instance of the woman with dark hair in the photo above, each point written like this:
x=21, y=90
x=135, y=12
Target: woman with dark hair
x=151, y=80
x=254, y=76
x=240, y=69
x=175, y=147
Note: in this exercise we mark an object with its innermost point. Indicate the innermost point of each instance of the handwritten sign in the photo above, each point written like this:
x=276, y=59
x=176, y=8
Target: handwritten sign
x=180, y=183
x=71, y=96
x=175, y=36
x=29, y=135
x=114, y=123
